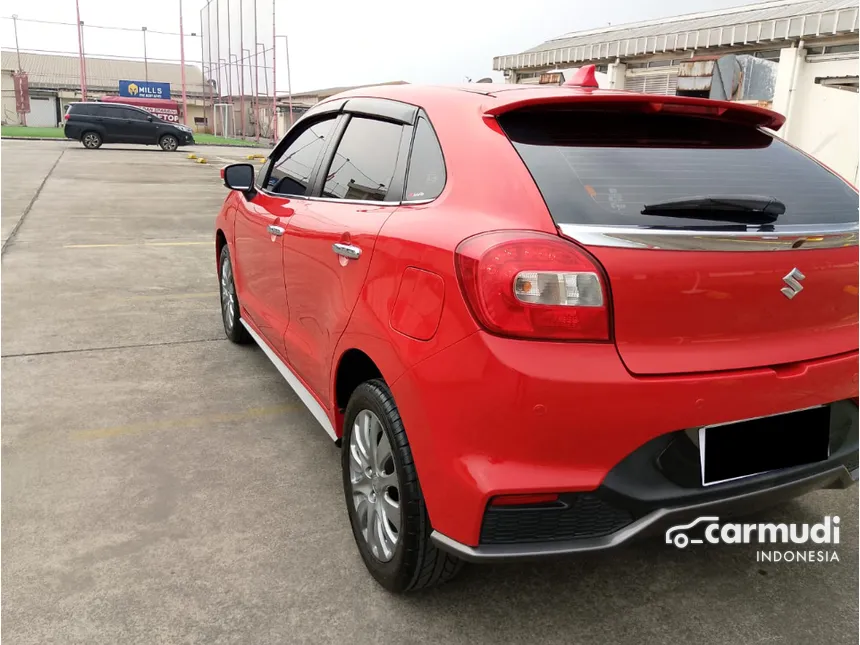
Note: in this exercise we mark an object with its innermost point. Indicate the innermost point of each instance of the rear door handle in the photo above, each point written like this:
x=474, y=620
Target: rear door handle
x=347, y=250
x=275, y=230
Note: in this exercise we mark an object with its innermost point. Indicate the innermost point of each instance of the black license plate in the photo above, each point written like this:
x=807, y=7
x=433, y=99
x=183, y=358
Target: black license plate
x=744, y=448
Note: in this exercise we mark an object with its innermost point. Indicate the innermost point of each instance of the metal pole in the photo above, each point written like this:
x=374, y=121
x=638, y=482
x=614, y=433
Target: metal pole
x=84, y=50
x=289, y=82
x=182, y=58
x=274, y=80
x=256, y=79
x=265, y=67
x=203, y=84
x=81, y=53
x=227, y=65
x=233, y=109
x=241, y=70
x=145, y=61
x=229, y=55
x=22, y=117
x=209, y=47
x=18, y=51
x=218, y=45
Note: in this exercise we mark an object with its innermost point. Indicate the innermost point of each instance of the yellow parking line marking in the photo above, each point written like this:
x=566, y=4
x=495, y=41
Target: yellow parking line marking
x=182, y=422
x=104, y=246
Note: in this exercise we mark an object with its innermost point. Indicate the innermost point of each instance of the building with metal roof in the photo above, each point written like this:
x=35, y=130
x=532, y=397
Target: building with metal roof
x=53, y=72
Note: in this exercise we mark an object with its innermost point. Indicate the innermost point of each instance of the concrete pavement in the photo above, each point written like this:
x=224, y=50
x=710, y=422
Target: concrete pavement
x=161, y=485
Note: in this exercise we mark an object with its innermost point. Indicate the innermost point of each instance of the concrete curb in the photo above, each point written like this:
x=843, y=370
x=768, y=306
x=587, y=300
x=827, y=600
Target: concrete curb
x=220, y=145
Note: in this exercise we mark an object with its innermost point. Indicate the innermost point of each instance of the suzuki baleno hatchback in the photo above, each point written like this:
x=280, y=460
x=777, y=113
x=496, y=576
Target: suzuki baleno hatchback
x=549, y=320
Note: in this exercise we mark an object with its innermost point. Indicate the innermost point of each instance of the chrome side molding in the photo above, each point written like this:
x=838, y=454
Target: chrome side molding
x=780, y=238
x=301, y=391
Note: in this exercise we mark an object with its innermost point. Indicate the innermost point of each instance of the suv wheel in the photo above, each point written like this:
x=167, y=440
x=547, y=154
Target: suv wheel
x=233, y=328
x=383, y=498
x=91, y=140
x=168, y=142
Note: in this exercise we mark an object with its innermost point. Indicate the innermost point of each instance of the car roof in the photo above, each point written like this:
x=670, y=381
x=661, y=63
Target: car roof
x=493, y=99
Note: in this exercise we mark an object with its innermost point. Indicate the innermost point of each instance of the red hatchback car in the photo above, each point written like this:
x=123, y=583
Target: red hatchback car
x=547, y=320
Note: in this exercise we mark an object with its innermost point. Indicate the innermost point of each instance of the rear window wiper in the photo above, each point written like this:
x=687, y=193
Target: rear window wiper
x=729, y=208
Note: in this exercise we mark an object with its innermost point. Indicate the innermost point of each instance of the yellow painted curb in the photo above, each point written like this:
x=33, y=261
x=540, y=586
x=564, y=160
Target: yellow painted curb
x=201, y=160
x=262, y=160
x=251, y=157
x=192, y=156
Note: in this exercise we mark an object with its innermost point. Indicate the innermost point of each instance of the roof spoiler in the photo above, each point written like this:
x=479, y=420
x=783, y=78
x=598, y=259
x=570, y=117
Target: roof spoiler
x=648, y=103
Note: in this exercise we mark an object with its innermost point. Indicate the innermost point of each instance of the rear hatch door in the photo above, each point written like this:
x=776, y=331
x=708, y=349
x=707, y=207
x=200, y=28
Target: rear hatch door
x=725, y=248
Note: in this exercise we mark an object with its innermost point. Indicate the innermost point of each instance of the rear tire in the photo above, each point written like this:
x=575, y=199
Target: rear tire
x=410, y=561
x=168, y=143
x=91, y=140
x=233, y=327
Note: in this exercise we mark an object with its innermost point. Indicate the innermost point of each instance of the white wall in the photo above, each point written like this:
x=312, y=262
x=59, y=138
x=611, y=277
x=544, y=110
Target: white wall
x=822, y=121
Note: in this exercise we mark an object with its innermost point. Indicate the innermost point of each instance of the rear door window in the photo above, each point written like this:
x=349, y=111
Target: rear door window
x=364, y=164
x=603, y=168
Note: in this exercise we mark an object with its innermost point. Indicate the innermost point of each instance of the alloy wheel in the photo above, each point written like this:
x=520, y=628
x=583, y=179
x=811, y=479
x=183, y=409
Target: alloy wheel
x=375, y=489
x=91, y=140
x=228, y=294
x=169, y=144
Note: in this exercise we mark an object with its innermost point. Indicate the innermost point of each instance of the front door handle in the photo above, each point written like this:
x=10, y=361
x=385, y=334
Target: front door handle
x=275, y=230
x=347, y=250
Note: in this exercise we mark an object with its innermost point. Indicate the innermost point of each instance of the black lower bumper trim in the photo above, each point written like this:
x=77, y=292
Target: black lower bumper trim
x=654, y=522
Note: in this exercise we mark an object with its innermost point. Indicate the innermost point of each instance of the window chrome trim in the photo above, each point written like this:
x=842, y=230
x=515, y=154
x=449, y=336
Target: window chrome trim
x=781, y=238
x=337, y=200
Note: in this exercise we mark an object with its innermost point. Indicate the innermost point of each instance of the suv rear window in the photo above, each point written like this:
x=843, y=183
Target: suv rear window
x=602, y=168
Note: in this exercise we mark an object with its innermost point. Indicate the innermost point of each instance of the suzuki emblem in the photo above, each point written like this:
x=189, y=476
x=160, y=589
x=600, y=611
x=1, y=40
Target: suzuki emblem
x=793, y=281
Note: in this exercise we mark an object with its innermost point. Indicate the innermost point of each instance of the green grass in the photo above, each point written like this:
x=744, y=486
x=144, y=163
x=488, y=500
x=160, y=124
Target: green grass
x=211, y=139
x=21, y=131
x=57, y=133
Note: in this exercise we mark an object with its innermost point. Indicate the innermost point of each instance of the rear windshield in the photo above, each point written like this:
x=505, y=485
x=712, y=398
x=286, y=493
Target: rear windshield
x=603, y=168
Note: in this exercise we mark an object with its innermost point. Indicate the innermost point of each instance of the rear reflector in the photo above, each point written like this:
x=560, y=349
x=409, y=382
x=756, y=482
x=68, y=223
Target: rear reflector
x=519, y=500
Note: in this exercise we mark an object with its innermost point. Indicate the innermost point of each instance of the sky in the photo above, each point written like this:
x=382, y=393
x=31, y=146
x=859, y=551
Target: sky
x=337, y=42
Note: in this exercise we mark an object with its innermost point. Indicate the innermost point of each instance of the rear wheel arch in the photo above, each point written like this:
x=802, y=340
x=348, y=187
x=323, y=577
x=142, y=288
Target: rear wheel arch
x=354, y=367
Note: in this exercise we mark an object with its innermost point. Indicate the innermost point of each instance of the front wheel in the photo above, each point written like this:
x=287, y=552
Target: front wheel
x=383, y=497
x=233, y=328
x=168, y=143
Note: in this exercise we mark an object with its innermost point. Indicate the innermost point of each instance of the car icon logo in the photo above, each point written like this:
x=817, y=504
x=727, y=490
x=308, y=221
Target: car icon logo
x=677, y=536
x=792, y=280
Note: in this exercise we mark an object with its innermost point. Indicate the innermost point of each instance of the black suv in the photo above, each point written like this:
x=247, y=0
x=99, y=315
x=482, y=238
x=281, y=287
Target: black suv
x=96, y=123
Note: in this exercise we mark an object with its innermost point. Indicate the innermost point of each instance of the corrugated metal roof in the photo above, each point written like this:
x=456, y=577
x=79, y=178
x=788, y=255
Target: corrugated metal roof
x=103, y=74
x=767, y=21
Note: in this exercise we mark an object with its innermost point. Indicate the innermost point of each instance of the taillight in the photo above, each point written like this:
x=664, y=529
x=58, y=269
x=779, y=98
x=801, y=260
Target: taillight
x=66, y=116
x=527, y=284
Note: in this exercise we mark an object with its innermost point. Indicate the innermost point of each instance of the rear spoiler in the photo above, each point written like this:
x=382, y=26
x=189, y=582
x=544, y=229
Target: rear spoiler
x=692, y=106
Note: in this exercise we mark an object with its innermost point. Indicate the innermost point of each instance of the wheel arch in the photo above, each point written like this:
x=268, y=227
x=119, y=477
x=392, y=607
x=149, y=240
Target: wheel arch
x=220, y=243
x=354, y=367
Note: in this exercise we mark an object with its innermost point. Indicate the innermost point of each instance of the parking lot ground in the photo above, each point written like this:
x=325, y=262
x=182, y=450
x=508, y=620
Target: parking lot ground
x=161, y=485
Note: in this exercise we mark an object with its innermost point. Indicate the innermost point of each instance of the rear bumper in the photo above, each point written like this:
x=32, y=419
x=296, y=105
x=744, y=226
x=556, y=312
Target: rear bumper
x=492, y=416
x=656, y=521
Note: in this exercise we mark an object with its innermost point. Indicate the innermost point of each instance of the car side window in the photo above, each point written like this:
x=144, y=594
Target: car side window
x=426, y=177
x=136, y=115
x=292, y=172
x=364, y=163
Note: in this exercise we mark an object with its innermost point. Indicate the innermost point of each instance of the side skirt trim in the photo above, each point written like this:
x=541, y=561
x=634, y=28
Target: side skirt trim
x=301, y=391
